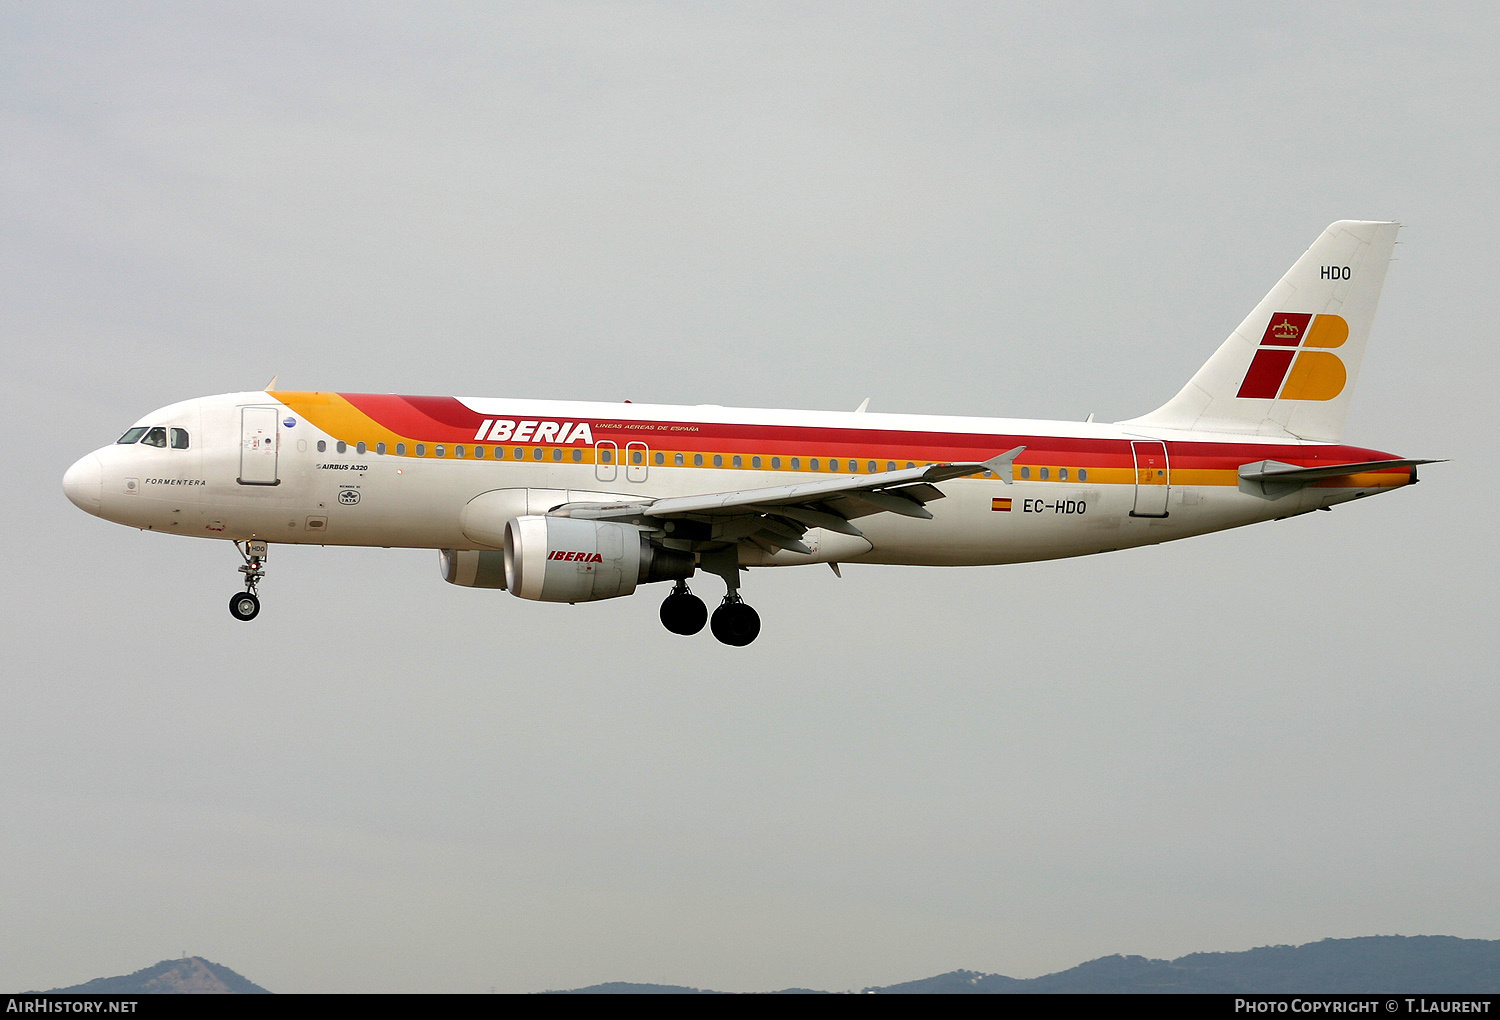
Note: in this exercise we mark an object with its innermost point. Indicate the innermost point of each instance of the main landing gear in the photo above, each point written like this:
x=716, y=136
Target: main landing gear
x=245, y=605
x=683, y=612
x=733, y=623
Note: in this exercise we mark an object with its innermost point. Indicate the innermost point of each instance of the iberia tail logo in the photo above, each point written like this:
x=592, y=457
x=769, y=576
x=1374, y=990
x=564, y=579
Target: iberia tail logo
x=1284, y=367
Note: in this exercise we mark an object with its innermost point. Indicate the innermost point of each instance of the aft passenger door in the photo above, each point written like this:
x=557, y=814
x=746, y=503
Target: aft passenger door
x=1152, y=479
x=259, y=442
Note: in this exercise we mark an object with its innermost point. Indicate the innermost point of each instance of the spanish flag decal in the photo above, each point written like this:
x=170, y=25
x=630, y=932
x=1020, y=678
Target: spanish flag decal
x=1000, y=504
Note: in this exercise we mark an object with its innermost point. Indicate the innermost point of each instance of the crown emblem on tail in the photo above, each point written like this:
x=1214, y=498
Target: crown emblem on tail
x=1286, y=329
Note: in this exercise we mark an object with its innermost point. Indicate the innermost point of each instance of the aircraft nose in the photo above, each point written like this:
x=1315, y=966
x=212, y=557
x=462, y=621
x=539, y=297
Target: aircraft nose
x=84, y=483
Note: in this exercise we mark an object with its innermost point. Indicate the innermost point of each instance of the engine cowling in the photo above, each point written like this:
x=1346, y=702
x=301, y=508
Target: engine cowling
x=560, y=559
x=473, y=568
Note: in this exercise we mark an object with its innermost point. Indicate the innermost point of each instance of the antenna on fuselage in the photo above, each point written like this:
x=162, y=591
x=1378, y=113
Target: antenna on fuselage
x=272, y=384
x=864, y=405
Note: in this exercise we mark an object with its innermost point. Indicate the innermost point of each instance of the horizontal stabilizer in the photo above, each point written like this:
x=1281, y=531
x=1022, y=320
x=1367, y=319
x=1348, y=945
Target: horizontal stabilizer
x=1273, y=479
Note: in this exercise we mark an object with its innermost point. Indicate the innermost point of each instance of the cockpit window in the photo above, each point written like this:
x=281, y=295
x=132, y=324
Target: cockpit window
x=155, y=437
x=179, y=439
x=132, y=436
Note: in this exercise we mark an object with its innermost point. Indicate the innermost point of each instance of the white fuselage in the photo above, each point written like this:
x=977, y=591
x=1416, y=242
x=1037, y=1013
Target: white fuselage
x=1090, y=501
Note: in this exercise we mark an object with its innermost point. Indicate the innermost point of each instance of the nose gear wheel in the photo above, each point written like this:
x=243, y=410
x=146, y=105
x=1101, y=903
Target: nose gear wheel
x=244, y=606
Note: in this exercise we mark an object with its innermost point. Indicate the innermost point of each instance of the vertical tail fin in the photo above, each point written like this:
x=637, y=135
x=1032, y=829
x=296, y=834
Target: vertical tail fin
x=1289, y=369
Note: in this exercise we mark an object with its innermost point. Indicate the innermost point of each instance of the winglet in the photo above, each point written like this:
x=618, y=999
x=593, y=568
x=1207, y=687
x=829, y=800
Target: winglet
x=1003, y=465
x=1000, y=465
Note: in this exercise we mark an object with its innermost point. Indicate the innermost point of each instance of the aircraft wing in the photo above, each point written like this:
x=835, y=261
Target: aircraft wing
x=778, y=515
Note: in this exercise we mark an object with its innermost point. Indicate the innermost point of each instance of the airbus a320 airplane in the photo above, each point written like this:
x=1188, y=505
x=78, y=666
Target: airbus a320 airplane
x=576, y=502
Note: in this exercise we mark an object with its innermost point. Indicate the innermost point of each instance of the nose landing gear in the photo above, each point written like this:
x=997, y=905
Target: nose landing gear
x=245, y=605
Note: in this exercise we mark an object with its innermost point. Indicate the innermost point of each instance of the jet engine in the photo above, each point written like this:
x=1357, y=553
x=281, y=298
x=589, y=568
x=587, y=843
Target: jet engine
x=560, y=559
x=473, y=568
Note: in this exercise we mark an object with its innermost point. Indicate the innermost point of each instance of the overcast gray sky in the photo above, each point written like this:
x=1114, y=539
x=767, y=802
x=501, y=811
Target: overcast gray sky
x=1274, y=735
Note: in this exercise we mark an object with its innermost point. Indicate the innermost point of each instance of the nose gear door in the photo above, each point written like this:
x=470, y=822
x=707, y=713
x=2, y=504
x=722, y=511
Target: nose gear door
x=259, y=442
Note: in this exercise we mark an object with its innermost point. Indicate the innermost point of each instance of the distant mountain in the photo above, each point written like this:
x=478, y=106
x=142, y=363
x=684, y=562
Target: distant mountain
x=191, y=975
x=1378, y=964
x=631, y=988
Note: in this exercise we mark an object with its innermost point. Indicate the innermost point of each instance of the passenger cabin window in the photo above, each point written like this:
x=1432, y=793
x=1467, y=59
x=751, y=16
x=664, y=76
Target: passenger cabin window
x=421, y=449
x=132, y=436
x=718, y=460
x=697, y=460
x=677, y=459
x=458, y=451
x=556, y=453
x=179, y=439
x=755, y=462
x=479, y=451
x=1083, y=475
x=438, y=450
x=380, y=448
x=400, y=449
x=833, y=465
x=1062, y=474
x=322, y=446
x=661, y=459
x=874, y=467
x=342, y=446
x=1026, y=472
x=578, y=455
x=813, y=463
x=796, y=463
x=890, y=465
x=1044, y=474
x=359, y=447
x=776, y=463
x=155, y=437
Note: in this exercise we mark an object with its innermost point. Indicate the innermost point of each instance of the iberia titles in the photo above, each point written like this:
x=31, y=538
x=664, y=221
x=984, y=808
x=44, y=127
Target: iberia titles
x=504, y=430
